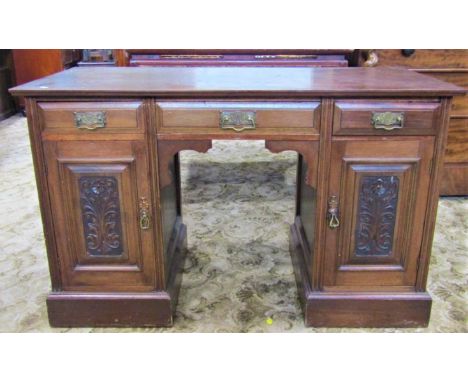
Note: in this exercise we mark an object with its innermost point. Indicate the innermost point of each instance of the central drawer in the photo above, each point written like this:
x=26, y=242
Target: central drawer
x=239, y=118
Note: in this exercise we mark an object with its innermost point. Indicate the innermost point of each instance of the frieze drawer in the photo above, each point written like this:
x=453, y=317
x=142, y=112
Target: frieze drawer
x=239, y=117
x=91, y=117
x=385, y=117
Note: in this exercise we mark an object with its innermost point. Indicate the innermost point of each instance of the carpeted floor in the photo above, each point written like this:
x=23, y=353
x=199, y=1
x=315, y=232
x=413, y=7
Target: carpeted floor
x=238, y=274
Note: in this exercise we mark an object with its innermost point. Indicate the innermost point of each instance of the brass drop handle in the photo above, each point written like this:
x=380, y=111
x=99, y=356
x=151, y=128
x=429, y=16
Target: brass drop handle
x=333, y=221
x=90, y=120
x=388, y=120
x=145, y=217
x=237, y=120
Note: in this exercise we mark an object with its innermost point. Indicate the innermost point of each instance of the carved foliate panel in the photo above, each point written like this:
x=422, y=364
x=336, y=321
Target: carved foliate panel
x=376, y=215
x=100, y=209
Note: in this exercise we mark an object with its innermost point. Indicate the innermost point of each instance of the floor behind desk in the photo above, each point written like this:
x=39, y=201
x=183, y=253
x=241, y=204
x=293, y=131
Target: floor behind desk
x=238, y=276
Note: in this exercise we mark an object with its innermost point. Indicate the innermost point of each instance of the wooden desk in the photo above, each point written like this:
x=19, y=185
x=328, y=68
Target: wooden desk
x=370, y=141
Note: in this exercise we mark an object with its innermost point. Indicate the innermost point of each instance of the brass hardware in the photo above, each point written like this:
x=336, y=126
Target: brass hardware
x=237, y=120
x=388, y=120
x=90, y=120
x=333, y=221
x=145, y=218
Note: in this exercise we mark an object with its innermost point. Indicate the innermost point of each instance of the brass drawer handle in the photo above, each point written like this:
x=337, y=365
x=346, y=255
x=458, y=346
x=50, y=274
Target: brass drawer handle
x=388, y=120
x=237, y=120
x=332, y=216
x=145, y=217
x=90, y=120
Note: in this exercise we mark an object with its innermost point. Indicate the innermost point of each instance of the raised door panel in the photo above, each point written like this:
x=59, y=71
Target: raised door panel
x=99, y=193
x=381, y=192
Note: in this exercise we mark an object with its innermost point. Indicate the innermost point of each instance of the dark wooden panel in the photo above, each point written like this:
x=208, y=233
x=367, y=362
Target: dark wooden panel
x=101, y=215
x=177, y=252
x=170, y=211
x=376, y=216
x=368, y=311
x=109, y=310
x=307, y=209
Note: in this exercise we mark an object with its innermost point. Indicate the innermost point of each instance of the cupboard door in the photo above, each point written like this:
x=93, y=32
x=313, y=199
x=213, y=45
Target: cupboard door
x=100, y=197
x=377, y=201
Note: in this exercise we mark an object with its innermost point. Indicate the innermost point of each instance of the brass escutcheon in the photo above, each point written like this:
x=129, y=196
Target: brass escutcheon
x=237, y=120
x=90, y=120
x=388, y=120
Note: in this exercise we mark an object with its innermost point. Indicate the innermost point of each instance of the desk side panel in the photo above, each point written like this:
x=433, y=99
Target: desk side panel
x=40, y=171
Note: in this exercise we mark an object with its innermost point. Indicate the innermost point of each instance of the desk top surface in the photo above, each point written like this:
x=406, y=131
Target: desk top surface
x=236, y=81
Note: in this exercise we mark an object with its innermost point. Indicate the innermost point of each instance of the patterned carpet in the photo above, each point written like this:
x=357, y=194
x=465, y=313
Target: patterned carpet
x=238, y=277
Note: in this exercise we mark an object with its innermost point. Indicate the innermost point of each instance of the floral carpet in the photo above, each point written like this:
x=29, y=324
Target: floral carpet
x=238, y=202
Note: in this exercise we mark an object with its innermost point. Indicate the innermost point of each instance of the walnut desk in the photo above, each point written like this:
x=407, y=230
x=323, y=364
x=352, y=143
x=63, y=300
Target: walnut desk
x=370, y=146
